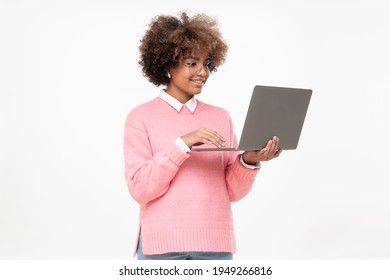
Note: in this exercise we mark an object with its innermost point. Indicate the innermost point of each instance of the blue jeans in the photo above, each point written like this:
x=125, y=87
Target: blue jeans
x=183, y=255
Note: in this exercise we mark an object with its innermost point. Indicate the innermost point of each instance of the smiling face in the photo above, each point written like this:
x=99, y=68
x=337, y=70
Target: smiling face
x=189, y=77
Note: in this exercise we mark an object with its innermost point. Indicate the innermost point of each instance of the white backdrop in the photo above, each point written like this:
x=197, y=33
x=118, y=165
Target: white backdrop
x=69, y=76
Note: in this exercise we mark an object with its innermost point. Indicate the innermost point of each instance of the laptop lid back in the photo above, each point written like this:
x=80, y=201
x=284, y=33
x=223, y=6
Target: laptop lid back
x=274, y=111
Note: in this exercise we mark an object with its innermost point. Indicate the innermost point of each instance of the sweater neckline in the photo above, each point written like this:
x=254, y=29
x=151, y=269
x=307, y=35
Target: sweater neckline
x=162, y=104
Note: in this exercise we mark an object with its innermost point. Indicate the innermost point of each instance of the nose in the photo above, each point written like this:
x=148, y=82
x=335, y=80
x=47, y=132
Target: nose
x=203, y=71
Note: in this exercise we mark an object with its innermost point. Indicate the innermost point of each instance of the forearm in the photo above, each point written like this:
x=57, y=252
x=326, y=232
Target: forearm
x=239, y=180
x=148, y=179
x=148, y=172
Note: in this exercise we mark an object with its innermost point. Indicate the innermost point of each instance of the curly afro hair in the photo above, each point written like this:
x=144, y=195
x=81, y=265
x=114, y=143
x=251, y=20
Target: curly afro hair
x=170, y=39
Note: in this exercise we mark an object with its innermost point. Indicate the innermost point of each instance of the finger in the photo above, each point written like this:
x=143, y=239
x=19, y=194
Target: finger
x=278, y=153
x=270, y=150
x=269, y=147
x=211, y=137
x=217, y=136
x=274, y=145
x=210, y=132
x=264, y=153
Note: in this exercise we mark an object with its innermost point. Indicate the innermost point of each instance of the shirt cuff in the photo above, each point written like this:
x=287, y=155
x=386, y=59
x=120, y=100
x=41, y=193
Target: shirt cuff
x=182, y=145
x=250, y=166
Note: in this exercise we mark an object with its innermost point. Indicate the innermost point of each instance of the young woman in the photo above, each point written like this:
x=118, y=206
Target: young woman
x=185, y=197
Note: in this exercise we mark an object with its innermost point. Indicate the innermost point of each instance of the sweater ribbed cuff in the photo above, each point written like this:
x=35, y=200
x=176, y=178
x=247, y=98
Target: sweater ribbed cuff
x=244, y=172
x=175, y=154
x=250, y=166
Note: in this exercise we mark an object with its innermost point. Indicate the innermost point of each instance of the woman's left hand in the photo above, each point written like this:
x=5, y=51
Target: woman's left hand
x=270, y=151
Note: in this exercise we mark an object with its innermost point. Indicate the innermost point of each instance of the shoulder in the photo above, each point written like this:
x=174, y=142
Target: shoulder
x=140, y=112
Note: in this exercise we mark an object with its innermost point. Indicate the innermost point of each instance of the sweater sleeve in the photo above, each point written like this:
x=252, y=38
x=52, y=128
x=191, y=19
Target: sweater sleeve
x=148, y=174
x=239, y=179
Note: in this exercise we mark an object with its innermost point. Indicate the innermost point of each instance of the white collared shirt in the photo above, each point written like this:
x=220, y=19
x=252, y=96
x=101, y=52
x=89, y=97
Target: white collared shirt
x=191, y=105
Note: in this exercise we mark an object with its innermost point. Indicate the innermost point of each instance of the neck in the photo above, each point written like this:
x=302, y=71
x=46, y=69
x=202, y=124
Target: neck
x=183, y=99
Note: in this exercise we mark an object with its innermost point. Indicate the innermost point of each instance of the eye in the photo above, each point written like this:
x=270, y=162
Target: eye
x=191, y=63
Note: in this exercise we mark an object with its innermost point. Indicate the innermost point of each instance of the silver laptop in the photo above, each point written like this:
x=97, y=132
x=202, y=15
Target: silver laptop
x=273, y=111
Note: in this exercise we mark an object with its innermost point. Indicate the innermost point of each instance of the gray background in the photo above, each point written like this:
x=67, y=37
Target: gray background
x=69, y=76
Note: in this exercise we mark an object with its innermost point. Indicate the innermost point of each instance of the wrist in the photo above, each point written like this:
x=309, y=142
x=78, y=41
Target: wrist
x=186, y=141
x=250, y=166
x=248, y=161
x=182, y=145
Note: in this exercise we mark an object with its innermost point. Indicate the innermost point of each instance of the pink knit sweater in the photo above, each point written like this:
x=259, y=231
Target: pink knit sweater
x=185, y=198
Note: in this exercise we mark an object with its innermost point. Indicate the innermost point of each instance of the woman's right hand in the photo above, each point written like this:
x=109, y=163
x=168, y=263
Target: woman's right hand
x=203, y=136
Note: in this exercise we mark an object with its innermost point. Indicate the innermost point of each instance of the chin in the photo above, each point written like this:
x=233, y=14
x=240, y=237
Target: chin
x=197, y=90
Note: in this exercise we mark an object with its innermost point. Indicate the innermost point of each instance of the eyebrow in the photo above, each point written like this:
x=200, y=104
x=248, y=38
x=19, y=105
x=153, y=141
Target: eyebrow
x=191, y=57
x=195, y=58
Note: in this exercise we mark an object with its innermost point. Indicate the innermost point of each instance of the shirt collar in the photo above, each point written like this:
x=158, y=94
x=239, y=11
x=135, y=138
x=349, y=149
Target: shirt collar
x=190, y=104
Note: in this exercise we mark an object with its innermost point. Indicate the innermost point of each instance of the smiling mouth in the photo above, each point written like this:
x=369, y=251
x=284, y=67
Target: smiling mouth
x=198, y=82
